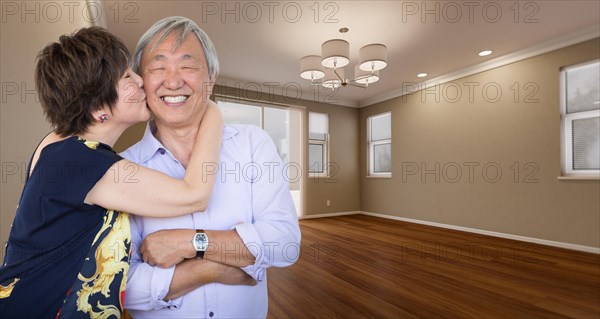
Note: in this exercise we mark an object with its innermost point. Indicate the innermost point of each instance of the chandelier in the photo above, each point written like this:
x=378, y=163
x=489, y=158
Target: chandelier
x=328, y=69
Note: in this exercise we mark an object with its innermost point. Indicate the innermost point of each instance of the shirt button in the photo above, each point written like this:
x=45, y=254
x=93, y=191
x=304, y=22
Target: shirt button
x=211, y=314
x=162, y=151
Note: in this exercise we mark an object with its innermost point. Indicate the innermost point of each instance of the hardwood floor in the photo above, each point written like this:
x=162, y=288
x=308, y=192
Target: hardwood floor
x=367, y=267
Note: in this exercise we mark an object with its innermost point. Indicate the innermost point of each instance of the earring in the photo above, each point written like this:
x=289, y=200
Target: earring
x=103, y=118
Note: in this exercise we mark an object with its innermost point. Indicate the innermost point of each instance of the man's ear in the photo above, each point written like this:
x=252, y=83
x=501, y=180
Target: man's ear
x=209, y=88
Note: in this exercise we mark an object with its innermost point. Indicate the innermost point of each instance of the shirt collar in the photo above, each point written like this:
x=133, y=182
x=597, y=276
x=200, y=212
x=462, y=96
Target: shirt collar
x=150, y=145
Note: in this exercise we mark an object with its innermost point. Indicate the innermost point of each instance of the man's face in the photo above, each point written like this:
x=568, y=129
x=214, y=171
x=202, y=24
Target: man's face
x=176, y=82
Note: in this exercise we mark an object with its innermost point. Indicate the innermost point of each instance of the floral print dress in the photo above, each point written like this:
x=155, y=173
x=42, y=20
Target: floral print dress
x=65, y=258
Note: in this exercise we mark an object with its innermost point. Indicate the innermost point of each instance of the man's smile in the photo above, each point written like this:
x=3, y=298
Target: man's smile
x=174, y=99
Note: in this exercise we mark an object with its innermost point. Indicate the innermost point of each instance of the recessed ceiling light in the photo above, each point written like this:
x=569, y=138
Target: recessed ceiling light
x=484, y=53
x=422, y=75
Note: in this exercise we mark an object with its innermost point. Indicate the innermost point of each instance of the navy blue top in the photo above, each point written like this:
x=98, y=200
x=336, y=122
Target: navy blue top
x=53, y=261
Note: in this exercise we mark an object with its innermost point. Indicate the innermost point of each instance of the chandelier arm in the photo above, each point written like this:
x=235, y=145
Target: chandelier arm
x=339, y=77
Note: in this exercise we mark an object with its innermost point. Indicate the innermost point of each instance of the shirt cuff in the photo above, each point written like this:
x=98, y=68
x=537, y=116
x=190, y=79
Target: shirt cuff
x=159, y=287
x=254, y=243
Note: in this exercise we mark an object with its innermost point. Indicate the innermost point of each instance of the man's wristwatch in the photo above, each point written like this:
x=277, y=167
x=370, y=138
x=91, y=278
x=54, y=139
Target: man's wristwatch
x=200, y=243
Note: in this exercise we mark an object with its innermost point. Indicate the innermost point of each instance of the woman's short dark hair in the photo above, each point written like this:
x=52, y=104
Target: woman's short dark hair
x=79, y=75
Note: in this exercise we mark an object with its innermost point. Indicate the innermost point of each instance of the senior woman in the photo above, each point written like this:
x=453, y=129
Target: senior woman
x=68, y=251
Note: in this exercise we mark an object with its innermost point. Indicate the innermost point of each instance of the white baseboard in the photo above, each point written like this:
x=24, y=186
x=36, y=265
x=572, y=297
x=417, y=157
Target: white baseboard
x=329, y=215
x=587, y=249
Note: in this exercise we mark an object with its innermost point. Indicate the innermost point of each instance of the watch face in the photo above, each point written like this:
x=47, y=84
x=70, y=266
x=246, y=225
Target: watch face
x=200, y=242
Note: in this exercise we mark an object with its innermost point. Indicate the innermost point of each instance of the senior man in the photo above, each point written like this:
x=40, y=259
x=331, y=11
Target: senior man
x=210, y=264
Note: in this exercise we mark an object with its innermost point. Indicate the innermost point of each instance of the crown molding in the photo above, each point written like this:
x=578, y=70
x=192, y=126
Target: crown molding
x=268, y=90
x=578, y=36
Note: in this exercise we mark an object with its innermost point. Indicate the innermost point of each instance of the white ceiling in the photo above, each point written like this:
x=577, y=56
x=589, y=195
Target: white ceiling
x=261, y=42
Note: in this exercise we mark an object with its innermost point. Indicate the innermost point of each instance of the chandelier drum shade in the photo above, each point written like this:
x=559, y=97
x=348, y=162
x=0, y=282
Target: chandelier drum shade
x=365, y=77
x=333, y=78
x=373, y=57
x=335, y=55
x=310, y=68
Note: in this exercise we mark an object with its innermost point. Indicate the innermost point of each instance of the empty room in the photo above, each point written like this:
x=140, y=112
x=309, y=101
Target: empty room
x=354, y=159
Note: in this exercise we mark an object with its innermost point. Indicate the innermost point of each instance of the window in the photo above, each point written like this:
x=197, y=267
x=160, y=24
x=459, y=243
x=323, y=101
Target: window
x=318, y=144
x=275, y=121
x=580, y=120
x=284, y=125
x=379, y=135
x=237, y=113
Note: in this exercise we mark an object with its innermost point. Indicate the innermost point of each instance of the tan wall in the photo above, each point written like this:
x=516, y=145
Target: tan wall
x=22, y=124
x=342, y=189
x=487, y=135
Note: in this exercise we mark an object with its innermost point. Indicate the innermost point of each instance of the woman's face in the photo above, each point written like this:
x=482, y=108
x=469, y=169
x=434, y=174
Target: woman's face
x=131, y=104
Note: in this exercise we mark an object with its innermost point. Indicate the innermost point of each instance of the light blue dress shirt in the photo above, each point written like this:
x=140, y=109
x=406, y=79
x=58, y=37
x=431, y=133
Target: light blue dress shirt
x=251, y=195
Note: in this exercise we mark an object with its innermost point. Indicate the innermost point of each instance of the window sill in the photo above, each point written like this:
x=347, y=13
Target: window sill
x=379, y=176
x=312, y=175
x=579, y=177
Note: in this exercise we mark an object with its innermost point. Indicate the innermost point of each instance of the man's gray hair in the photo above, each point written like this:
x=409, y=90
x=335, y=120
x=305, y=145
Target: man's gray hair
x=182, y=26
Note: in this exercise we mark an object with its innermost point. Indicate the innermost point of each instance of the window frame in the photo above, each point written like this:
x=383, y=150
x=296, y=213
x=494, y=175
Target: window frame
x=371, y=148
x=566, y=126
x=325, y=145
